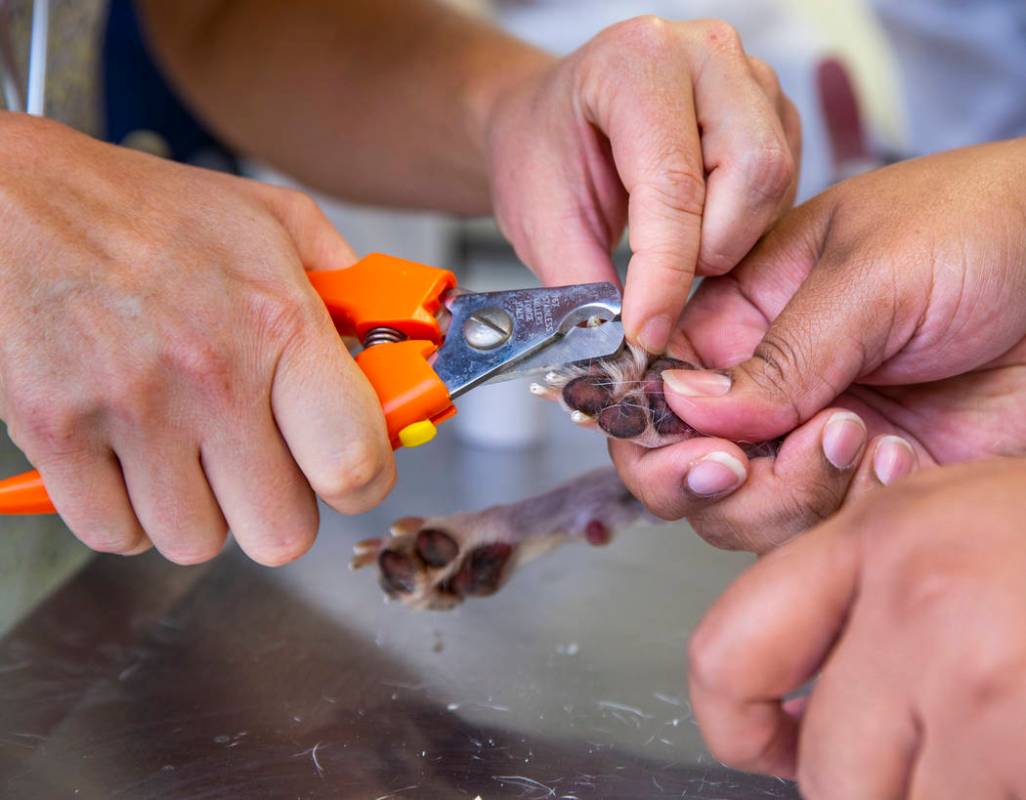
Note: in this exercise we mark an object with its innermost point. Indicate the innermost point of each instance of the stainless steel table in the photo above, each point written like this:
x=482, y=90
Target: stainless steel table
x=142, y=680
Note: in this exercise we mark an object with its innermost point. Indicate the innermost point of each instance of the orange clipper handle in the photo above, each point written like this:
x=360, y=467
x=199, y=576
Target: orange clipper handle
x=25, y=494
x=384, y=291
x=412, y=396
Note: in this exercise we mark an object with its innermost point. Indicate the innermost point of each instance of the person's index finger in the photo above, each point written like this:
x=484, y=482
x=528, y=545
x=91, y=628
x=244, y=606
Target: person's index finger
x=560, y=256
x=655, y=143
x=765, y=637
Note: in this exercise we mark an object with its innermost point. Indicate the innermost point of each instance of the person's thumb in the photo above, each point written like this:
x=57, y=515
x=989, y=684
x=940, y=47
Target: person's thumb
x=830, y=332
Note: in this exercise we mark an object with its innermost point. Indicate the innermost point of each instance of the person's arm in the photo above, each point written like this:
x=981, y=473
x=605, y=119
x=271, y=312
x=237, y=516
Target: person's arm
x=670, y=126
x=381, y=101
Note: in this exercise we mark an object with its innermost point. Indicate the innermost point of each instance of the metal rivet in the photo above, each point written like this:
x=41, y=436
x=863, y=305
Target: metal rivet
x=488, y=328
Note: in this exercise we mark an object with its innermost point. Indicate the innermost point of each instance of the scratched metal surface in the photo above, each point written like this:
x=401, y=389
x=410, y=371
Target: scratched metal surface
x=141, y=680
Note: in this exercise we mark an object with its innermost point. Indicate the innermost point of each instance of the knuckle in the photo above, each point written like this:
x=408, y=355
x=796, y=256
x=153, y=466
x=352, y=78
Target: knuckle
x=774, y=367
x=707, y=663
x=132, y=396
x=201, y=364
x=929, y=587
x=810, y=504
x=720, y=36
x=994, y=673
x=287, y=545
x=188, y=556
x=710, y=669
x=677, y=191
x=647, y=33
x=107, y=538
x=749, y=752
x=719, y=531
x=280, y=315
x=357, y=474
x=302, y=204
x=294, y=204
x=765, y=75
x=196, y=547
x=711, y=262
x=769, y=169
x=51, y=427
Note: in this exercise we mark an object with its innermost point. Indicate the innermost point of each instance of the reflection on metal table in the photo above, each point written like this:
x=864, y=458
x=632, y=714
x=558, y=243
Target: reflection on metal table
x=138, y=679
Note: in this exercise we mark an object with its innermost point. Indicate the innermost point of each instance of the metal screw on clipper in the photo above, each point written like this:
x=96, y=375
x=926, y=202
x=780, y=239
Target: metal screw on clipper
x=488, y=328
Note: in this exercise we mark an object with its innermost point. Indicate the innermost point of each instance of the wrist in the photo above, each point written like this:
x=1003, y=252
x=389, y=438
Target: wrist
x=494, y=74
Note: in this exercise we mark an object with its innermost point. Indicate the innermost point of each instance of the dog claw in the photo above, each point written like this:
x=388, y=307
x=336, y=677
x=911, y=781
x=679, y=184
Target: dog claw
x=405, y=525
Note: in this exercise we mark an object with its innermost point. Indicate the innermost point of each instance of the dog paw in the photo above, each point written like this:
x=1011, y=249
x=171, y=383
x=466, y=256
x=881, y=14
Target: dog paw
x=623, y=397
x=436, y=563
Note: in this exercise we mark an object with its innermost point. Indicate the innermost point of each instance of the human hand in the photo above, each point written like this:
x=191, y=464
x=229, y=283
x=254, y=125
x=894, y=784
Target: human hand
x=910, y=608
x=895, y=295
x=668, y=125
x=165, y=363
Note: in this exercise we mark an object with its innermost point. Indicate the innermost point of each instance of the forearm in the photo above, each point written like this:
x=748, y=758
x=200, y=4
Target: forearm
x=380, y=101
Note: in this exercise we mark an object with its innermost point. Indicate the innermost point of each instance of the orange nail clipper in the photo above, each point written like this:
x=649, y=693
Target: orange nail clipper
x=426, y=342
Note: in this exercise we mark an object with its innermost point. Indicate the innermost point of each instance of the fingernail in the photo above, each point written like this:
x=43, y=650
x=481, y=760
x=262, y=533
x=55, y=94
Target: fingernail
x=894, y=458
x=697, y=382
x=655, y=333
x=844, y=436
x=716, y=473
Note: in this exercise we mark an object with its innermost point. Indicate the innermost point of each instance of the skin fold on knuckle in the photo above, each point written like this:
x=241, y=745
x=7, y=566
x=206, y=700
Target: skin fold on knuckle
x=923, y=586
x=766, y=77
x=646, y=35
x=284, y=545
x=134, y=398
x=768, y=169
x=49, y=428
x=362, y=476
x=282, y=314
x=775, y=369
x=296, y=208
x=719, y=37
x=723, y=530
x=194, y=548
x=811, y=502
x=677, y=191
x=707, y=667
x=712, y=659
x=200, y=363
x=105, y=536
x=752, y=752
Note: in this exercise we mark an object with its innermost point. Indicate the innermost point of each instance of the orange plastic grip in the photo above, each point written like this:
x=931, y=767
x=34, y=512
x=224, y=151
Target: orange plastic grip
x=407, y=387
x=384, y=291
x=24, y=494
x=377, y=291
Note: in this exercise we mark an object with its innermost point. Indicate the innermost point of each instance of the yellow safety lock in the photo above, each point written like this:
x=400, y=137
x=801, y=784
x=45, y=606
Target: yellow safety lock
x=417, y=433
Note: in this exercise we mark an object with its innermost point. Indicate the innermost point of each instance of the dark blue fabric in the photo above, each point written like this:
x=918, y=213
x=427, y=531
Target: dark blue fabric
x=136, y=95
